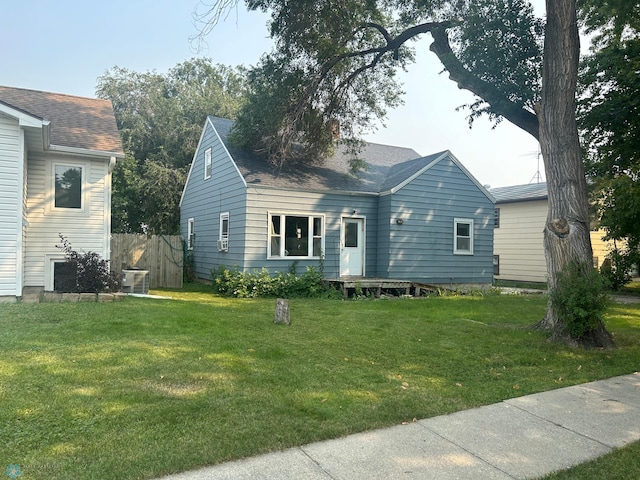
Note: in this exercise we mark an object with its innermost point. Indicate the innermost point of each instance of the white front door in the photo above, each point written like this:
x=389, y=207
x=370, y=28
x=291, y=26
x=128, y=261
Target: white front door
x=352, y=247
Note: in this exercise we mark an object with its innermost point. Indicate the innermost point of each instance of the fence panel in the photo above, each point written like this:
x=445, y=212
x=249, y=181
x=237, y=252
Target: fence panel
x=162, y=255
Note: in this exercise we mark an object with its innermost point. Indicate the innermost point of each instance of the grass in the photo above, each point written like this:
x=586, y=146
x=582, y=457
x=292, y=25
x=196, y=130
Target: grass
x=621, y=464
x=143, y=388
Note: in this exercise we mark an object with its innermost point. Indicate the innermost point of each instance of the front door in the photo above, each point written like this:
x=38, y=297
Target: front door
x=352, y=247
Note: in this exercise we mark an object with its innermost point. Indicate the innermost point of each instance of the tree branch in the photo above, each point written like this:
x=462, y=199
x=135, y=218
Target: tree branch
x=519, y=116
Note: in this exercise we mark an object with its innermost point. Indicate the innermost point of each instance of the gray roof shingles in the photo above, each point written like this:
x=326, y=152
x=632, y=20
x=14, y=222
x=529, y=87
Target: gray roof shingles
x=76, y=122
x=520, y=193
x=387, y=167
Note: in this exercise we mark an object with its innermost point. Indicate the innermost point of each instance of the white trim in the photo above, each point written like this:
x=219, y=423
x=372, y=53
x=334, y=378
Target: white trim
x=21, y=214
x=208, y=162
x=463, y=221
x=208, y=123
x=85, y=152
x=223, y=240
x=50, y=186
x=191, y=232
x=282, y=215
x=363, y=240
x=49, y=260
x=244, y=182
x=444, y=155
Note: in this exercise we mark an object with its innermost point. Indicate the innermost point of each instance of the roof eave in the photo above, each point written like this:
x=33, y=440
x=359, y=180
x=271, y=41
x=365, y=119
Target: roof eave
x=85, y=152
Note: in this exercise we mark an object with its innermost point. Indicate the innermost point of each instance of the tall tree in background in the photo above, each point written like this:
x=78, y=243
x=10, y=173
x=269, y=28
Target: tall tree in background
x=160, y=118
x=609, y=118
x=337, y=59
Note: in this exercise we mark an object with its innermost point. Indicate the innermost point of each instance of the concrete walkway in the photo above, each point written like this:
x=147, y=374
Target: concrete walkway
x=524, y=437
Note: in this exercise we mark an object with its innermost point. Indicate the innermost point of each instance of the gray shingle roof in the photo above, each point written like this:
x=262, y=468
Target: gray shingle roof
x=520, y=193
x=387, y=167
x=77, y=122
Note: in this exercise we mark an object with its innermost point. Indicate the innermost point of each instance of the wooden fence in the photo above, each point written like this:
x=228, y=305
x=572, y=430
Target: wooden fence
x=162, y=255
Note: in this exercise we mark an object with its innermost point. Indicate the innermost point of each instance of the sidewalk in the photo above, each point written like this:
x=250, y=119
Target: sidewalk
x=524, y=437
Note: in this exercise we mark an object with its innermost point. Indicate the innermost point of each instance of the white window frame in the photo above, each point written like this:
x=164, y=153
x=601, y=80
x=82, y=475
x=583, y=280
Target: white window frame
x=191, y=233
x=49, y=267
x=462, y=221
x=208, y=164
x=51, y=204
x=223, y=236
x=283, y=253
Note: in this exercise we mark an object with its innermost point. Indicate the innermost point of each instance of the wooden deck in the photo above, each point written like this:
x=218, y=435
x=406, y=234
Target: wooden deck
x=378, y=286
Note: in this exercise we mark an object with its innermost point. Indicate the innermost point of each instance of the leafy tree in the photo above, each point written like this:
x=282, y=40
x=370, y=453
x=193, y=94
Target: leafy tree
x=609, y=116
x=160, y=118
x=337, y=61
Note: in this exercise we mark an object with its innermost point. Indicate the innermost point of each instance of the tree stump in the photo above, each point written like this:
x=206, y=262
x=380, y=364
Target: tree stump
x=282, y=312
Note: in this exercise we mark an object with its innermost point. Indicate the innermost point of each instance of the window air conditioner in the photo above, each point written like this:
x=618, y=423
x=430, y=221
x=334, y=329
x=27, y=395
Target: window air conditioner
x=223, y=245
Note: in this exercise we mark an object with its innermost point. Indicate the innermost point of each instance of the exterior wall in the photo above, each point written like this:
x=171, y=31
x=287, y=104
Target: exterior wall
x=601, y=248
x=205, y=199
x=421, y=247
x=84, y=229
x=334, y=207
x=11, y=185
x=519, y=242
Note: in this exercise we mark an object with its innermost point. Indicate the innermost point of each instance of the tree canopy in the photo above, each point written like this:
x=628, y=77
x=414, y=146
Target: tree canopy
x=609, y=116
x=333, y=69
x=160, y=118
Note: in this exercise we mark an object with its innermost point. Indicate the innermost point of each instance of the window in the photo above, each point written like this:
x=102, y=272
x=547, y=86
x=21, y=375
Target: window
x=191, y=233
x=496, y=218
x=295, y=236
x=207, y=163
x=496, y=264
x=223, y=238
x=462, y=236
x=64, y=277
x=68, y=186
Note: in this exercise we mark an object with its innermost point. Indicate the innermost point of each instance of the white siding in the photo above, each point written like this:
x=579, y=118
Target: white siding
x=85, y=230
x=518, y=241
x=10, y=204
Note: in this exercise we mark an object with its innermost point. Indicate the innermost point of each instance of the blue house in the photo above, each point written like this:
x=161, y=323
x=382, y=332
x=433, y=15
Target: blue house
x=405, y=217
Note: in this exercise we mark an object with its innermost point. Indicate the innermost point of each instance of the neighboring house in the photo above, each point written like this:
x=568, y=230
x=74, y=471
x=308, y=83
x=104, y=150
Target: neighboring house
x=405, y=217
x=521, y=213
x=56, y=156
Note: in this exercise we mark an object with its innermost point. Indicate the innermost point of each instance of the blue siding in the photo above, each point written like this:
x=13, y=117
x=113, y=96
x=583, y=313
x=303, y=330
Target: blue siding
x=205, y=199
x=421, y=248
x=333, y=207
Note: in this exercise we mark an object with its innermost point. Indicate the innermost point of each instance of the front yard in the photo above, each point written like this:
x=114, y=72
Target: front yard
x=142, y=388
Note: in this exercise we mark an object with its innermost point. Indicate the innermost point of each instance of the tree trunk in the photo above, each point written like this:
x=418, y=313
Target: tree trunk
x=566, y=232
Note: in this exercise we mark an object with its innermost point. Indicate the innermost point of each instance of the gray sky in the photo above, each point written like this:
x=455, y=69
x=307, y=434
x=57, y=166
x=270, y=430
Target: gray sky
x=65, y=45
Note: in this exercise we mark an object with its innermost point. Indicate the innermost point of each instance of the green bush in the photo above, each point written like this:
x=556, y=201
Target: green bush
x=580, y=298
x=616, y=268
x=260, y=283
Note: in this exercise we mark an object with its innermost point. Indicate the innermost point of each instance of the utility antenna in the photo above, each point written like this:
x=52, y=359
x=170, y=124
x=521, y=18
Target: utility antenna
x=537, y=177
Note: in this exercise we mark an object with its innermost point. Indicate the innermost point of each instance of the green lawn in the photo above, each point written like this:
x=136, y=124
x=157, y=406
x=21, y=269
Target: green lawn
x=145, y=387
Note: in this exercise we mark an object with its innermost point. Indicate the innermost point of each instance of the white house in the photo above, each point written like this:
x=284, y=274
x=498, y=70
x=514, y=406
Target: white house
x=521, y=212
x=56, y=157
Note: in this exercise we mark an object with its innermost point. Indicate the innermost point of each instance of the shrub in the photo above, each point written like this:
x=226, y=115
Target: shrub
x=260, y=283
x=85, y=273
x=580, y=298
x=616, y=268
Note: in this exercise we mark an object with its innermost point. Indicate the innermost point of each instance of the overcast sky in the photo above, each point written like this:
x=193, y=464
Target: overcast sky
x=65, y=45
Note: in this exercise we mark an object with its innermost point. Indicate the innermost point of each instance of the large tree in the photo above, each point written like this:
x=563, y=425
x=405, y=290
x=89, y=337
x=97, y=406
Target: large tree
x=160, y=118
x=609, y=117
x=337, y=59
